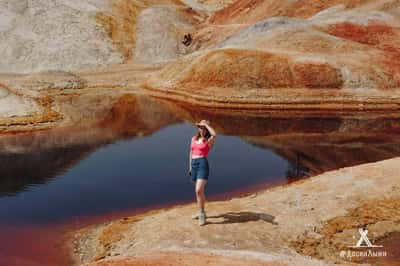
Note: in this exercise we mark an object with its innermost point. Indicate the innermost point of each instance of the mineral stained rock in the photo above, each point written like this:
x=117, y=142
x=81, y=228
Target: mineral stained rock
x=331, y=55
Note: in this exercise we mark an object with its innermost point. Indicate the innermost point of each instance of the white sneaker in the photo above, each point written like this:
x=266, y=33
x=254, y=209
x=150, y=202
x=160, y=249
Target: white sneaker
x=196, y=216
x=202, y=218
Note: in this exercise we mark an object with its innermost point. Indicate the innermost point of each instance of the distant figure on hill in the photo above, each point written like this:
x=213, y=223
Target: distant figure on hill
x=187, y=39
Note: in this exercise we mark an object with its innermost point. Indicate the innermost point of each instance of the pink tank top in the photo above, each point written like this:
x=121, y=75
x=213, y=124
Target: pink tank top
x=199, y=148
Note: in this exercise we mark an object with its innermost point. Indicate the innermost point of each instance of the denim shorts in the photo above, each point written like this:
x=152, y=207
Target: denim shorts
x=200, y=168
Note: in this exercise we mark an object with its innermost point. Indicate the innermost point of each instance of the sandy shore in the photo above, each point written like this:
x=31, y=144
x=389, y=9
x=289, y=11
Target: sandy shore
x=308, y=222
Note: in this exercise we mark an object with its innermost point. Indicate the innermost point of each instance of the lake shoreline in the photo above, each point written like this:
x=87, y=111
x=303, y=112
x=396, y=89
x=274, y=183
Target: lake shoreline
x=319, y=137
x=331, y=221
x=51, y=249
x=54, y=100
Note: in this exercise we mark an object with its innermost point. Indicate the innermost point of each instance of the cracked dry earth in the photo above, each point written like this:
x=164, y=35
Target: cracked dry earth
x=307, y=222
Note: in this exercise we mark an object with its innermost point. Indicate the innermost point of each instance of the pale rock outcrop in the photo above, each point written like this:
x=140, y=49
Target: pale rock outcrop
x=12, y=105
x=208, y=5
x=163, y=40
x=37, y=35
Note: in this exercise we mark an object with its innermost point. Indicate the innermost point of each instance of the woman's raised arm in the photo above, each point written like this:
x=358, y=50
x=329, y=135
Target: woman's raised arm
x=212, y=139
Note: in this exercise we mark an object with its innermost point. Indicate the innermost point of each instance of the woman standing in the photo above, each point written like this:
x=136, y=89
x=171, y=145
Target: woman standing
x=198, y=163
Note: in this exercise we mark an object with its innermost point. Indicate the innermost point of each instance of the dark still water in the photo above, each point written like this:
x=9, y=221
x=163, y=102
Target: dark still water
x=130, y=174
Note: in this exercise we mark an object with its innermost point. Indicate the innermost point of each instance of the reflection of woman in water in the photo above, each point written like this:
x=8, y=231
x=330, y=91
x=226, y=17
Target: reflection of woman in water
x=198, y=164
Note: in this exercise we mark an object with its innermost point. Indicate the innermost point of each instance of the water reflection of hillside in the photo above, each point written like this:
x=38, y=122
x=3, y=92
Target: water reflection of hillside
x=34, y=158
x=312, y=143
x=19, y=170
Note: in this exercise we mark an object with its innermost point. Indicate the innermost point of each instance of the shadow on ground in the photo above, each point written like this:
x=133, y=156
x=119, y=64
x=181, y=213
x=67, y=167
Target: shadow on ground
x=241, y=217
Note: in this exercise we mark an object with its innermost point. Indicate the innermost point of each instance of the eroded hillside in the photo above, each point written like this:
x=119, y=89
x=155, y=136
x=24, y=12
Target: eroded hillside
x=335, y=55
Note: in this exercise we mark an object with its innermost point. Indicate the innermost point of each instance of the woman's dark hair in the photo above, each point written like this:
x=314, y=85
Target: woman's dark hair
x=198, y=135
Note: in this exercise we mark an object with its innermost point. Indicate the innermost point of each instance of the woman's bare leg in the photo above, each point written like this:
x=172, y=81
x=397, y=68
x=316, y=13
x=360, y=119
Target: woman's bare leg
x=201, y=198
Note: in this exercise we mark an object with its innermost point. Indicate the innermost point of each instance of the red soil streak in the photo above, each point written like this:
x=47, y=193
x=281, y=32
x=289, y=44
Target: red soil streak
x=255, y=69
x=236, y=9
x=51, y=245
x=373, y=34
x=317, y=75
x=250, y=11
x=30, y=246
x=378, y=35
x=2, y=86
x=391, y=244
